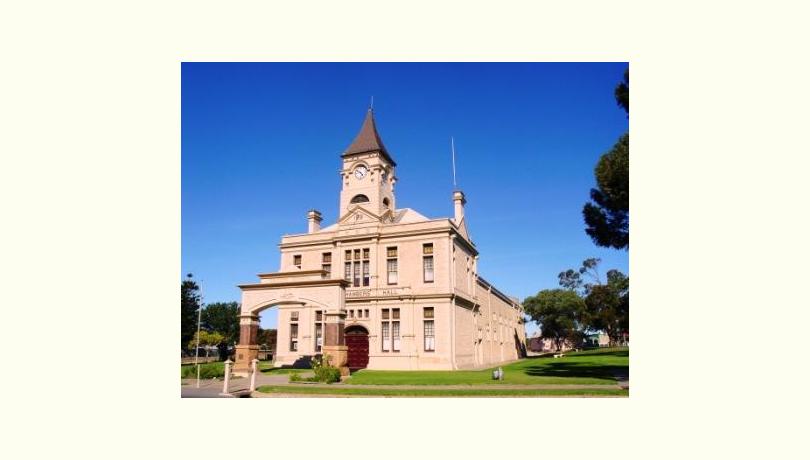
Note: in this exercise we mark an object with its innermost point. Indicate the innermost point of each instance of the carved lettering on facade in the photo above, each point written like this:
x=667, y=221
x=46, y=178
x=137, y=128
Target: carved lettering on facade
x=381, y=292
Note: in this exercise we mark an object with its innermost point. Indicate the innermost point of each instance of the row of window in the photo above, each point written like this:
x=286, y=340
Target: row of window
x=357, y=266
x=389, y=328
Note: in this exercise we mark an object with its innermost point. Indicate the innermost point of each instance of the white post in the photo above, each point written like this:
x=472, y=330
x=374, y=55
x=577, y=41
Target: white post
x=227, y=376
x=255, y=369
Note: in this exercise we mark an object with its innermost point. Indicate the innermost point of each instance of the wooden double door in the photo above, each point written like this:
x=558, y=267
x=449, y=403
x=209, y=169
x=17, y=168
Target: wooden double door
x=357, y=342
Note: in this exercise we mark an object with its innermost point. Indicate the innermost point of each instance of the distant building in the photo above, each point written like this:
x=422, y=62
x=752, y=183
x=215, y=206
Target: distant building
x=383, y=287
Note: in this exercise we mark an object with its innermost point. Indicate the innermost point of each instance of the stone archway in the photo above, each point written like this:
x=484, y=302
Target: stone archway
x=357, y=347
x=307, y=289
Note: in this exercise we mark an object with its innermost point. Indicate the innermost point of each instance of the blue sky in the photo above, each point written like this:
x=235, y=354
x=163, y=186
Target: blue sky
x=261, y=145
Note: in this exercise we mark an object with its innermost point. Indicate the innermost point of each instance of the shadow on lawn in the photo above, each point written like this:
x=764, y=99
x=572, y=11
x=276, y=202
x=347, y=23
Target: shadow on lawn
x=569, y=369
x=588, y=353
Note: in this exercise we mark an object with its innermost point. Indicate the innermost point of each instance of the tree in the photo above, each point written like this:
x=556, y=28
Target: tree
x=207, y=339
x=622, y=92
x=607, y=215
x=267, y=338
x=558, y=313
x=222, y=317
x=608, y=306
x=189, y=305
x=573, y=279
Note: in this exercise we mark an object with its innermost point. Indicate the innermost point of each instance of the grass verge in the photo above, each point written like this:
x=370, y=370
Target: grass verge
x=591, y=367
x=344, y=391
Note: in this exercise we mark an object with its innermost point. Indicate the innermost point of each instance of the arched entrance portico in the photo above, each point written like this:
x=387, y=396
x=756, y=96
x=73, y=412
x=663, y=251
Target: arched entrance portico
x=304, y=292
x=357, y=342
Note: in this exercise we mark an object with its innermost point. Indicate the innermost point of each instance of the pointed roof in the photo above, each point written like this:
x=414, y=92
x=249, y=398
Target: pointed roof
x=368, y=140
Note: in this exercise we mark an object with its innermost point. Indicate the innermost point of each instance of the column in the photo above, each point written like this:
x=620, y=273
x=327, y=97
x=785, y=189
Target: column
x=334, y=341
x=247, y=350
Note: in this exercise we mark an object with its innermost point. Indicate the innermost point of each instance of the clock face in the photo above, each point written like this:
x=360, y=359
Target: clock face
x=360, y=172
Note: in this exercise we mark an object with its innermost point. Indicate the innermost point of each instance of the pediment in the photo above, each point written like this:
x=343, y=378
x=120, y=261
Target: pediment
x=358, y=215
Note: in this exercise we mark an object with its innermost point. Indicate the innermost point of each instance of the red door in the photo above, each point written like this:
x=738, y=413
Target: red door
x=357, y=341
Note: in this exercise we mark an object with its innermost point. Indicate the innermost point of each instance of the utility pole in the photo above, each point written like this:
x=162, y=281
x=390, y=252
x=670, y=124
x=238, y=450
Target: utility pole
x=197, y=348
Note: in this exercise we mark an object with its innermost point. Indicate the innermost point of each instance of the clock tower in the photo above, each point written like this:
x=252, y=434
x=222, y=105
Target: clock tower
x=367, y=176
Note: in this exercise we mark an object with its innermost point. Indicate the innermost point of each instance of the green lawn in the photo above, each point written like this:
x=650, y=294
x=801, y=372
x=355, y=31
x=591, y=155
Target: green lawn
x=217, y=369
x=305, y=389
x=584, y=368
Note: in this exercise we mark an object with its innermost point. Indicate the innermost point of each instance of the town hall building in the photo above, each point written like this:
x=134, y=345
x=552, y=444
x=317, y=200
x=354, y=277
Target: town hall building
x=384, y=287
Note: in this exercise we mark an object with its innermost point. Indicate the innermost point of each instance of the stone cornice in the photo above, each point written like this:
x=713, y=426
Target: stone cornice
x=289, y=274
x=313, y=283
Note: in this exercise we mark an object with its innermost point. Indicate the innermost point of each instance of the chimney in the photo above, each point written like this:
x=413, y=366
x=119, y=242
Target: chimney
x=314, y=219
x=458, y=202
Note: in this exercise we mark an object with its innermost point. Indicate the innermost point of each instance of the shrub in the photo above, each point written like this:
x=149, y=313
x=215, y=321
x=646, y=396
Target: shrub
x=207, y=371
x=327, y=374
x=295, y=377
x=324, y=372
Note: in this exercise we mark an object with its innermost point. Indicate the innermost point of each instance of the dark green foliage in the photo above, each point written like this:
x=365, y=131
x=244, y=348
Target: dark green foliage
x=607, y=216
x=189, y=304
x=570, y=280
x=608, y=306
x=622, y=92
x=207, y=371
x=222, y=317
x=558, y=312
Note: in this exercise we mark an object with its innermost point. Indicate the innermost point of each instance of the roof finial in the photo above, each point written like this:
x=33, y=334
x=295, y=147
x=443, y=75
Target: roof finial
x=371, y=107
x=453, y=149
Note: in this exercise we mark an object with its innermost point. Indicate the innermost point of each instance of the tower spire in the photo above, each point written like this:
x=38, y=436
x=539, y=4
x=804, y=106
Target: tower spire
x=368, y=139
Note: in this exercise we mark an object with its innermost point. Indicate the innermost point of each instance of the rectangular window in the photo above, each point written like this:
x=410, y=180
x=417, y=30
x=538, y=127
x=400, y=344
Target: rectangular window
x=365, y=273
x=357, y=274
x=427, y=268
x=327, y=258
x=392, y=271
x=391, y=252
x=366, y=314
x=356, y=254
x=293, y=337
x=385, y=313
x=318, y=337
x=428, y=312
x=347, y=272
x=365, y=253
x=293, y=316
x=395, y=313
x=349, y=255
x=351, y=313
x=427, y=249
x=319, y=315
x=395, y=333
x=297, y=260
x=386, y=337
x=430, y=336
x=328, y=269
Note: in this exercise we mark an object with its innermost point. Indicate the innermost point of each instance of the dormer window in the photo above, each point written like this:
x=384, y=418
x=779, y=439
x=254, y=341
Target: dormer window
x=359, y=199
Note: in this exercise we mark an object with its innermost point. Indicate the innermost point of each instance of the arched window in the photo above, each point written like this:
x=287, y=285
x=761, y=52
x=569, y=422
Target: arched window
x=386, y=203
x=360, y=199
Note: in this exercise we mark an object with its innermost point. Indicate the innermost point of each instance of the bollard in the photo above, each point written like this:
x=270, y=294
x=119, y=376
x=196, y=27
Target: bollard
x=227, y=376
x=254, y=366
x=500, y=374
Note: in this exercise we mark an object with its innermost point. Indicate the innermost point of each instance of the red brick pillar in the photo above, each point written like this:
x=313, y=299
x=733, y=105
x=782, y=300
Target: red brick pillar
x=334, y=340
x=247, y=350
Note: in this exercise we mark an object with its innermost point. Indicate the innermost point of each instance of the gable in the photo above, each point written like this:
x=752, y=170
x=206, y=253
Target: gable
x=358, y=215
x=462, y=229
